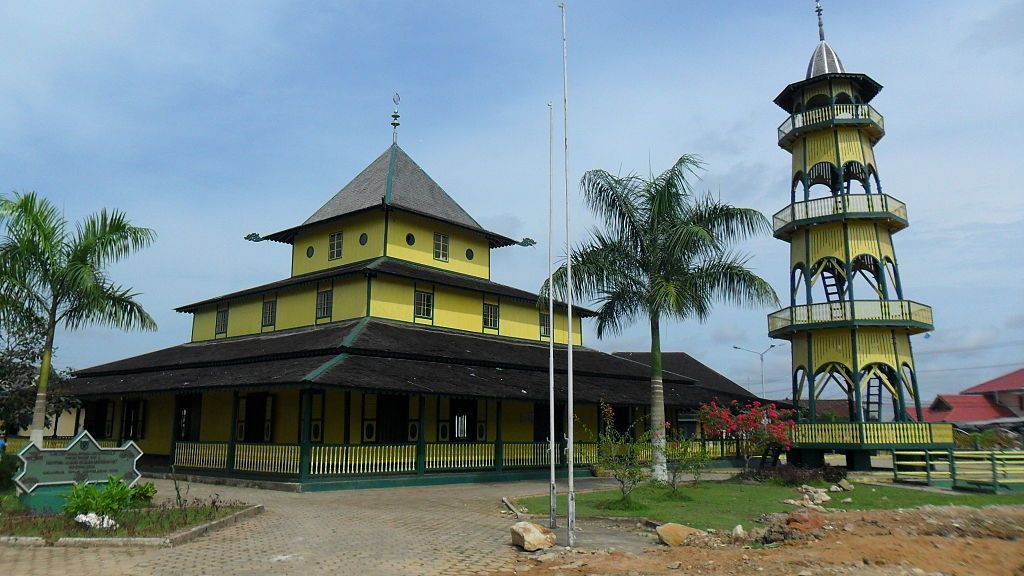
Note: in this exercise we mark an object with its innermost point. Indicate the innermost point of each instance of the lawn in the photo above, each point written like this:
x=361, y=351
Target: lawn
x=9, y=501
x=146, y=522
x=722, y=505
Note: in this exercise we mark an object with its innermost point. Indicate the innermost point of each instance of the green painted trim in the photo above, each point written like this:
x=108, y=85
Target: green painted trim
x=346, y=342
x=387, y=219
x=786, y=232
x=918, y=327
x=391, y=174
x=842, y=446
x=369, y=294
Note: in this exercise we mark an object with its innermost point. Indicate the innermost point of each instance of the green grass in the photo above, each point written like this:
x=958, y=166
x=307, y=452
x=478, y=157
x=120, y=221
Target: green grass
x=147, y=522
x=722, y=505
x=9, y=501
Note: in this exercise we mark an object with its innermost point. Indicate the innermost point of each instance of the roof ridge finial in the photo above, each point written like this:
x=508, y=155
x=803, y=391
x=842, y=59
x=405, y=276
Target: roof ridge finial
x=821, y=25
x=394, y=119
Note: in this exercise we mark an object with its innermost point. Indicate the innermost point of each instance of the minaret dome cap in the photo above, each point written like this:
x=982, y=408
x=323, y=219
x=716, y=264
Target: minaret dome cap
x=824, y=60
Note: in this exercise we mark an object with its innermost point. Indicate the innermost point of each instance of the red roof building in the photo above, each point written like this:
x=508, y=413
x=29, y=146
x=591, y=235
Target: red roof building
x=988, y=402
x=1012, y=382
x=963, y=408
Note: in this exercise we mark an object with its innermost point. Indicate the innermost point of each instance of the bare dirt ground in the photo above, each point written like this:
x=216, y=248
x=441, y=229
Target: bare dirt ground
x=956, y=541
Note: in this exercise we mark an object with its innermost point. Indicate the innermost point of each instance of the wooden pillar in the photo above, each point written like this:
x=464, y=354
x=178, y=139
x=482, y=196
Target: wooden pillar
x=175, y=426
x=499, y=447
x=421, y=438
x=78, y=420
x=233, y=432
x=305, y=431
x=348, y=416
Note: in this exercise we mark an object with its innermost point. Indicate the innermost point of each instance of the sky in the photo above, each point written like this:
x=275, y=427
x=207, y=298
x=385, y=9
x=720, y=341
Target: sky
x=208, y=121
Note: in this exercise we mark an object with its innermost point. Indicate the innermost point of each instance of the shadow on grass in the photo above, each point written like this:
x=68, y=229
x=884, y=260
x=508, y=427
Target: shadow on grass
x=628, y=504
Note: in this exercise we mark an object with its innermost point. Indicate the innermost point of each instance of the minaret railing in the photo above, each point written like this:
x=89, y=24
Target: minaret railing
x=840, y=206
x=833, y=114
x=901, y=312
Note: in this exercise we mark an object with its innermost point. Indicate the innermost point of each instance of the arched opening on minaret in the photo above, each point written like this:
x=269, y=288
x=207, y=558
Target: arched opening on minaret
x=910, y=385
x=856, y=178
x=822, y=174
x=799, y=384
x=834, y=375
x=873, y=175
x=828, y=281
x=868, y=279
x=892, y=278
x=843, y=98
x=818, y=101
x=797, y=184
x=798, y=286
x=880, y=393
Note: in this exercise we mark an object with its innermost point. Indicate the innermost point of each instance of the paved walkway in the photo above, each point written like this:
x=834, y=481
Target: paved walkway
x=453, y=529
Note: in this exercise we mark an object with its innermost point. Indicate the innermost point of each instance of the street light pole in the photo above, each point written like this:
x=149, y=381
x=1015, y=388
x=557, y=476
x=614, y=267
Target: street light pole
x=761, y=356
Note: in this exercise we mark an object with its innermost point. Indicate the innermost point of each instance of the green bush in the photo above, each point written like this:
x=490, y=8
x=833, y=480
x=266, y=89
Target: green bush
x=9, y=466
x=113, y=500
x=142, y=494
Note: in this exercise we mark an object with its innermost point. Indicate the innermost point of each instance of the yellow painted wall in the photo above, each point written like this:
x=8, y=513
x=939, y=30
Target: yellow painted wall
x=203, y=323
x=296, y=307
x=245, y=316
x=215, y=415
x=391, y=298
x=422, y=252
x=430, y=419
x=585, y=429
x=349, y=298
x=459, y=309
x=334, y=417
x=356, y=415
x=286, y=416
x=370, y=223
x=517, y=421
x=159, y=417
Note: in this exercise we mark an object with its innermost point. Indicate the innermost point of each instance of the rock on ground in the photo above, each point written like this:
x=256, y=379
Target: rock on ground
x=672, y=534
x=531, y=537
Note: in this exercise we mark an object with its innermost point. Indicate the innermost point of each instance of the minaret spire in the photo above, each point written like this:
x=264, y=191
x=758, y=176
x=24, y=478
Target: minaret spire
x=394, y=119
x=821, y=25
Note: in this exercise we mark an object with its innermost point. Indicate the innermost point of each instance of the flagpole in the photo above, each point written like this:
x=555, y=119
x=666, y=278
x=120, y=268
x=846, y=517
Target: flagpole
x=570, y=424
x=552, y=502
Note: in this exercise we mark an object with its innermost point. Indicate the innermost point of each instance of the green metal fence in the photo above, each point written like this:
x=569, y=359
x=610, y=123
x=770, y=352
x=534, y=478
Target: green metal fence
x=990, y=470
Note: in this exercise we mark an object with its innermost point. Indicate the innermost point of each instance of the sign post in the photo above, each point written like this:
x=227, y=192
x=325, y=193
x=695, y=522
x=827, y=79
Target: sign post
x=47, y=474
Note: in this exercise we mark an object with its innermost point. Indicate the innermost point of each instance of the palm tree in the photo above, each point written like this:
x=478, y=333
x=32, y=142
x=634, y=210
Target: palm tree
x=664, y=253
x=59, y=275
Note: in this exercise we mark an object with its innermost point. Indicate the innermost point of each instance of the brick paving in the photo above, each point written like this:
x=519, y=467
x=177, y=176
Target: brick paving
x=453, y=529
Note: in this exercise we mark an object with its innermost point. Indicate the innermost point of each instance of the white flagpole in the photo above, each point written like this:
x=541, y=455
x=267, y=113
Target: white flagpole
x=571, y=496
x=552, y=441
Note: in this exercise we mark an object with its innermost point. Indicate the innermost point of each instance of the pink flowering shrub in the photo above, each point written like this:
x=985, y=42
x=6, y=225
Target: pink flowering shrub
x=759, y=427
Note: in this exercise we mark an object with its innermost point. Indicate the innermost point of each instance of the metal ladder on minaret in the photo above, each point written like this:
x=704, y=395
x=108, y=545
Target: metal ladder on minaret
x=873, y=401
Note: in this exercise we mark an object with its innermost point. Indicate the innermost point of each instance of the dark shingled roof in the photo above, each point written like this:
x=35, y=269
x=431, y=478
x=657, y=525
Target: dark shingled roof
x=396, y=181
x=375, y=354
x=393, y=267
x=685, y=365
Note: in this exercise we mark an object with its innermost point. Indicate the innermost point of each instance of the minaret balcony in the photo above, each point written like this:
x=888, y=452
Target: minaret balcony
x=840, y=207
x=912, y=316
x=829, y=116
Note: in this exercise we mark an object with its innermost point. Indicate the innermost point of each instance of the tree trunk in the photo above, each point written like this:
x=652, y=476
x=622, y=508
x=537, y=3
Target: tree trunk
x=39, y=413
x=659, y=471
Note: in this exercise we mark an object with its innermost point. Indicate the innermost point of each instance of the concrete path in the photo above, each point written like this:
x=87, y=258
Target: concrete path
x=453, y=529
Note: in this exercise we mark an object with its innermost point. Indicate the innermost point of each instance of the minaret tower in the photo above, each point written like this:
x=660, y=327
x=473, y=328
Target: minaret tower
x=849, y=321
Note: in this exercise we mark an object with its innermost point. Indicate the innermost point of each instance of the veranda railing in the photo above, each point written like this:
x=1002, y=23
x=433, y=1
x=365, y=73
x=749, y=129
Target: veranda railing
x=16, y=443
x=339, y=460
